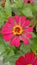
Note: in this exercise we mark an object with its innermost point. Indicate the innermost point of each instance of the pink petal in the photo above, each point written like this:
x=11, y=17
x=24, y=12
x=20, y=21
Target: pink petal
x=8, y=37
x=23, y=18
x=29, y=35
x=35, y=62
x=31, y=1
x=7, y=24
x=27, y=22
x=25, y=1
x=17, y=18
x=22, y=60
x=30, y=57
x=6, y=29
x=25, y=40
x=15, y=42
x=24, y=22
x=11, y=20
x=18, y=63
x=30, y=29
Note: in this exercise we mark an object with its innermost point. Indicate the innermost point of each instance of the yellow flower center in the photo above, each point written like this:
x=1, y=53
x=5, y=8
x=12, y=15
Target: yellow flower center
x=17, y=30
x=29, y=64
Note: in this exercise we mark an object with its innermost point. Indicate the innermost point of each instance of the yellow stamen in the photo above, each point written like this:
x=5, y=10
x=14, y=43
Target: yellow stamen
x=17, y=30
x=29, y=64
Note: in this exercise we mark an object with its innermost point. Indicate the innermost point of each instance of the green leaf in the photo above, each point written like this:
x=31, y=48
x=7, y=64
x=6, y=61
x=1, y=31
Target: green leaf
x=25, y=48
x=8, y=55
x=5, y=50
x=17, y=11
x=33, y=34
x=14, y=58
x=19, y=3
x=2, y=46
x=8, y=8
x=2, y=16
x=27, y=12
x=34, y=46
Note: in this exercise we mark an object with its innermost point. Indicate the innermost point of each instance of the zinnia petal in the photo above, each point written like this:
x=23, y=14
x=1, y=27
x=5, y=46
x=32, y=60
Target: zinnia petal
x=23, y=19
x=8, y=37
x=7, y=29
x=35, y=62
x=29, y=35
x=25, y=1
x=11, y=20
x=15, y=42
x=17, y=18
x=27, y=22
x=30, y=29
x=29, y=1
x=29, y=58
x=25, y=40
x=20, y=61
x=7, y=24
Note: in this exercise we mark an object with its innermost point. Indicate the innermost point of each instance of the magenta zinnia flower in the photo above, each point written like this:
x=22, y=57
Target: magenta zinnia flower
x=28, y=59
x=16, y=29
x=28, y=1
